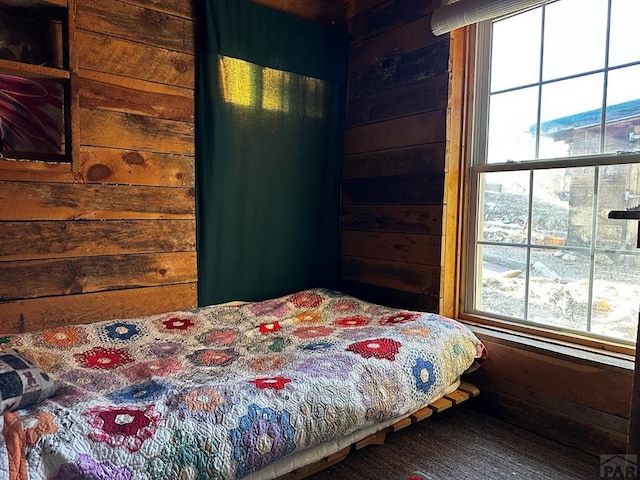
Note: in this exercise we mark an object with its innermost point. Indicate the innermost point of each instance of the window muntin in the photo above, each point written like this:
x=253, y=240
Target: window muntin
x=548, y=132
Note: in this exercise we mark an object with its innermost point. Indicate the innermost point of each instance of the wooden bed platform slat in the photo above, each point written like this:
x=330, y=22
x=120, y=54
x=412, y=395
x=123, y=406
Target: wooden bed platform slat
x=464, y=392
x=470, y=388
x=457, y=397
x=441, y=404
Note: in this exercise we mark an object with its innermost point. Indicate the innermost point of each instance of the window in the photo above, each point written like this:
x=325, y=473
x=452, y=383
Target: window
x=556, y=146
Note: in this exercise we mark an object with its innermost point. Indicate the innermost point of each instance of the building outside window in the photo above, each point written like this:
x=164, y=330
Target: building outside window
x=556, y=146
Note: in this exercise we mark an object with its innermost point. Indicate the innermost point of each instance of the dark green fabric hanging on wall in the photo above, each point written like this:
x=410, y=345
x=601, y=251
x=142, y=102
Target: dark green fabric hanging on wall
x=270, y=101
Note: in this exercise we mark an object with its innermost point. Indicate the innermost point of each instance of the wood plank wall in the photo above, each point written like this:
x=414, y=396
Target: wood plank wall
x=114, y=236
x=392, y=198
x=395, y=250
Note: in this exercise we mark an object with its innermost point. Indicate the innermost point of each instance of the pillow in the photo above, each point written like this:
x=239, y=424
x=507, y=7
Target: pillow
x=21, y=383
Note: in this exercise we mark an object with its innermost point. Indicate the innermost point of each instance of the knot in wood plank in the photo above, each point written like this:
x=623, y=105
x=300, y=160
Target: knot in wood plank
x=98, y=172
x=133, y=158
x=180, y=65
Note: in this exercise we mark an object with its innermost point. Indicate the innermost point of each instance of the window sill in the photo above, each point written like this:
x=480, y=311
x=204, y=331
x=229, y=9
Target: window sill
x=551, y=347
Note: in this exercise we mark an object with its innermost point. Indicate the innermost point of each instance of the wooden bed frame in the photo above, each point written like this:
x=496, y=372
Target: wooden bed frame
x=464, y=392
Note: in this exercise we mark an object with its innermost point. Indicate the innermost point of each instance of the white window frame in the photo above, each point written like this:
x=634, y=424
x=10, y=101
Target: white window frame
x=476, y=135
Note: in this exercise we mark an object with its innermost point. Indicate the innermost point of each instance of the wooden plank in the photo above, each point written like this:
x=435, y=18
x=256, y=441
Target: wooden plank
x=24, y=201
x=405, y=189
x=400, y=424
x=391, y=297
x=69, y=276
x=458, y=396
x=429, y=127
x=178, y=8
x=551, y=424
x=577, y=412
x=377, y=438
x=396, y=69
x=401, y=247
x=633, y=437
x=288, y=476
x=400, y=161
x=421, y=414
x=138, y=24
x=136, y=132
x=440, y=405
x=72, y=108
x=319, y=11
x=409, y=99
x=389, y=15
x=425, y=219
x=589, y=384
x=21, y=69
x=126, y=95
x=33, y=3
x=37, y=314
x=339, y=455
x=407, y=38
x=459, y=111
x=41, y=240
x=469, y=388
x=103, y=53
x=33, y=170
x=423, y=279
x=110, y=165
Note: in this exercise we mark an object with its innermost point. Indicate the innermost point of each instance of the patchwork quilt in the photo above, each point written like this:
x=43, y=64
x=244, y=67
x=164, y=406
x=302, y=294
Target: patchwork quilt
x=221, y=391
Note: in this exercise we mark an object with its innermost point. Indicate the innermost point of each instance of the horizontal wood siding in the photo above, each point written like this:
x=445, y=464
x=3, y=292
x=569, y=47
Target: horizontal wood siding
x=114, y=235
x=99, y=52
x=577, y=402
x=47, y=312
x=393, y=187
x=400, y=222
x=95, y=273
x=61, y=239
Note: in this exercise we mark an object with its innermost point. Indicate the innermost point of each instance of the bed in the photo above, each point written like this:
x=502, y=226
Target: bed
x=240, y=390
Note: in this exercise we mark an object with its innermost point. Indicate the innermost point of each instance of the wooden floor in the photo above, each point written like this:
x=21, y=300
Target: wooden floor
x=463, y=443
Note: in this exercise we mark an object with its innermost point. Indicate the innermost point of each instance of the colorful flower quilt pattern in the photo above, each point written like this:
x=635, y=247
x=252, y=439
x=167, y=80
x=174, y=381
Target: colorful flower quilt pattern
x=222, y=391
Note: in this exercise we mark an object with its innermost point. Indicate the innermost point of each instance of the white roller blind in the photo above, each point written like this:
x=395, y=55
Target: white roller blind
x=465, y=12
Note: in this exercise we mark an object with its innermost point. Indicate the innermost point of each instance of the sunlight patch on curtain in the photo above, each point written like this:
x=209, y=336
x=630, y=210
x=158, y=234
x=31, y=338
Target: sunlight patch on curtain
x=246, y=84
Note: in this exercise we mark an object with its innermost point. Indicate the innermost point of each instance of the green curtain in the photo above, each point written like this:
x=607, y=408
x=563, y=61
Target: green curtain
x=270, y=101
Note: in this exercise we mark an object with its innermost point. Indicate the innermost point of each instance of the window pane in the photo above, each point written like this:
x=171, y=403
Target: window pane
x=502, y=287
x=559, y=289
x=625, y=34
x=616, y=296
x=515, y=55
x=623, y=110
x=550, y=211
x=504, y=211
x=574, y=37
x=512, y=120
x=545, y=250
x=581, y=197
x=618, y=189
x=571, y=116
